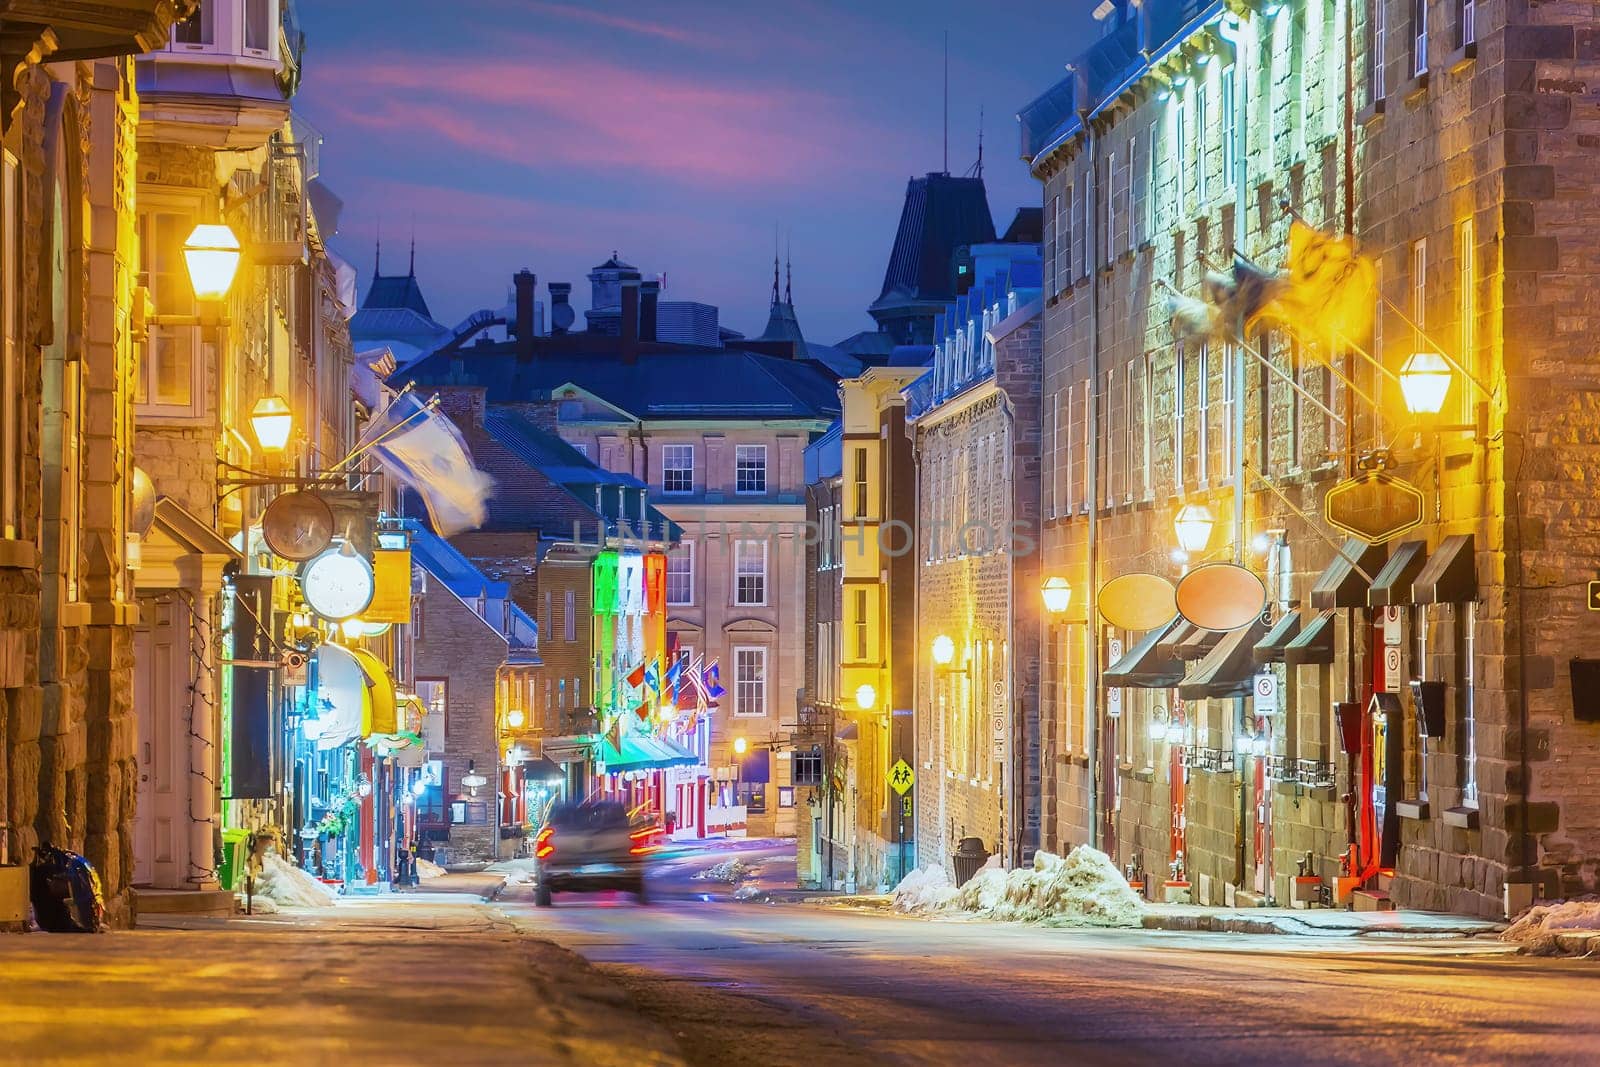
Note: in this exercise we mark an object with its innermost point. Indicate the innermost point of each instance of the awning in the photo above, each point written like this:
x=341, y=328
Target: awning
x=1451, y=575
x=1270, y=648
x=1198, y=643
x=1315, y=643
x=570, y=748
x=381, y=714
x=541, y=769
x=1341, y=585
x=1392, y=585
x=643, y=752
x=341, y=698
x=1145, y=665
x=1167, y=645
x=848, y=733
x=1228, y=668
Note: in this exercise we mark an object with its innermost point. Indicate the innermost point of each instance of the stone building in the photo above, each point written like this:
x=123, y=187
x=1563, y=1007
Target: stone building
x=973, y=418
x=68, y=254
x=1197, y=133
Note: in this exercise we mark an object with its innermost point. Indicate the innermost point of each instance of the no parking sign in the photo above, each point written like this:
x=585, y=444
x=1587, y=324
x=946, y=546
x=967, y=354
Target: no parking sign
x=1266, y=694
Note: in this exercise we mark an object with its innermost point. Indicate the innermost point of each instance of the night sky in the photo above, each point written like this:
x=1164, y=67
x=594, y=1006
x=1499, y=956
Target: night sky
x=525, y=133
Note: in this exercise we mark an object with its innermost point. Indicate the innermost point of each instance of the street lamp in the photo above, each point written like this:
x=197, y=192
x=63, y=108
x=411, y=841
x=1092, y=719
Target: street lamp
x=272, y=421
x=944, y=650
x=212, y=255
x=1193, y=525
x=740, y=745
x=1424, y=381
x=1057, y=593
x=515, y=718
x=866, y=696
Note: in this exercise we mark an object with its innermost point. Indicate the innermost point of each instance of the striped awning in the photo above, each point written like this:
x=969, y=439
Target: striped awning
x=643, y=752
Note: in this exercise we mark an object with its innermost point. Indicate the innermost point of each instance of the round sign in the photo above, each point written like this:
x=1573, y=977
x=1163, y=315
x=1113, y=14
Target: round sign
x=1221, y=596
x=297, y=525
x=142, y=514
x=338, y=583
x=1137, y=601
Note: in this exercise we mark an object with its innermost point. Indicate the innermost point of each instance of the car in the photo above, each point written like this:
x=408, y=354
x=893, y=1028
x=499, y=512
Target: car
x=589, y=846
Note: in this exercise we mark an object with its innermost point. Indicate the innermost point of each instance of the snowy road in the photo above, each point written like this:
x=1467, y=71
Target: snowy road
x=798, y=984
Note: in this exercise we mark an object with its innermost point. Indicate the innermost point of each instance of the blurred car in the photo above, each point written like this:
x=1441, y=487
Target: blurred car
x=589, y=846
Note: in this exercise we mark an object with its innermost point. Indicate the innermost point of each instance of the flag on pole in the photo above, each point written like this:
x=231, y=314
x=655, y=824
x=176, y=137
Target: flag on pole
x=422, y=449
x=1191, y=319
x=674, y=672
x=636, y=676
x=643, y=711
x=1330, y=290
x=614, y=735
x=652, y=676
x=713, y=676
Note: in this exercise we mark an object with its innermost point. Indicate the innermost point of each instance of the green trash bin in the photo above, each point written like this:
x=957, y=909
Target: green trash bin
x=232, y=849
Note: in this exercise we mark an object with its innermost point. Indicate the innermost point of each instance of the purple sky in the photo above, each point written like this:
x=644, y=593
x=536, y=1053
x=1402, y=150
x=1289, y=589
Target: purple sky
x=544, y=134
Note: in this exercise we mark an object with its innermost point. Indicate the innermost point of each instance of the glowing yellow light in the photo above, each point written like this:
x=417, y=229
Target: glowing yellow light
x=1193, y=527
x=944, y=650
x=866, y=696
x=515, y=718
x=273, y=422
x=1424, y=381
x=212, y=256
x=740, y=745
x=352, y=628
x=667, y=712
x=1057, y=593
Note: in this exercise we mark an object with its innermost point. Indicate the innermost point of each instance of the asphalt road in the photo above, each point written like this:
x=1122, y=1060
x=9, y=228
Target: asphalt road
x=773, y=984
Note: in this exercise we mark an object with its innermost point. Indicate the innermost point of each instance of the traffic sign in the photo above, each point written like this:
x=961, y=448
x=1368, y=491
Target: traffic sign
x=901, y=777
x=1391, y=669
x=1266, y=694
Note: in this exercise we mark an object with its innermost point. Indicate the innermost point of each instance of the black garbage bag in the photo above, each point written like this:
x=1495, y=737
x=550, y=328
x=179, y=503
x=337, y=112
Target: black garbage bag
x=65, y=891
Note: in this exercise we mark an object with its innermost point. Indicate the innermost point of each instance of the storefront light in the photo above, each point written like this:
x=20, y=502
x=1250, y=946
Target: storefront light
x=740, y=745
x=272, y=421
x=1057, y=594
x=1158, y=728
x=515, y=718
x=212, y=255
x=1242, y=744
x=352, y=629
x=667, y=712
x=944, y=650
x=1424, y=382
x=419, y=787
x=1174, y=732
x=1193, y=525
x=866, y=697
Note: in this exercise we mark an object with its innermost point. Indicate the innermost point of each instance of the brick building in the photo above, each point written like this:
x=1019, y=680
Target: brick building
x=973, y=418
x=1188, y=133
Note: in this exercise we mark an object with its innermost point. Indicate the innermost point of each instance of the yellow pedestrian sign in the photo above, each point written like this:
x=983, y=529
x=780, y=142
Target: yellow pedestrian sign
x=902, y=777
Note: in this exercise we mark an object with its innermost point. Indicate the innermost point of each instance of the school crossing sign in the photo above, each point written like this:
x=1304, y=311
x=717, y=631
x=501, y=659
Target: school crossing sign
x=902, y=777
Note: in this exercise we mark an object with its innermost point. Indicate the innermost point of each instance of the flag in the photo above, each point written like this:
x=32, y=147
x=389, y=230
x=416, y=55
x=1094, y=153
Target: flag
x=1191, y=319
x=643, y=711
x=713, y=681
x=614, y=735
x=1330, y=290
x=636, y=676
x=652, y=676
x=674, y=672
x=422, y=449
x=1254, y=288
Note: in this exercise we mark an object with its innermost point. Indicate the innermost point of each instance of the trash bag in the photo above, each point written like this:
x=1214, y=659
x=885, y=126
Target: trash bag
x=65, y=891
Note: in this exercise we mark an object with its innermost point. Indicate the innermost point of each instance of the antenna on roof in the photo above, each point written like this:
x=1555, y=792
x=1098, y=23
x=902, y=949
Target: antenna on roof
x=946, y=101
x=788, y=271
x=413, y=267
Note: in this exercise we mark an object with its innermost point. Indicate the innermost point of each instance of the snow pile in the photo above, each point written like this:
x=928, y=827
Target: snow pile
x=1539, y=928
x=258, y=906
x=730, y=871
x=428, y=869
x=520, y=876
x=1084, y=889
x=288, y=886
x=749, y=892
x=924, y=891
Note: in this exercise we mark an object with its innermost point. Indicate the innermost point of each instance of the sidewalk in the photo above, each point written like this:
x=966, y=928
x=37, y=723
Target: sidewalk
x=372, y=980
x=1311, y=922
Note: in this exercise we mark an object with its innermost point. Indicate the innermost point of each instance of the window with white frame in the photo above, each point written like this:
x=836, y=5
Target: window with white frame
x=1052, y=243
x=1202, y=412
x=1112, y=436
x=1419, y=38
x=1180, y=406
x=1201, y=103
x=1419, y=289
x=1139, y=183
x=1052, y=444
x=10, y=348
x=750, y=573
x=1466, y=23
x=1467, y=283
x=1378, y=43
x=569, y=618
x=1180, y=150
x=1230, y=124
x=1081, y=227
x=171, y=375
x=1061, y=445
x=1113, y=210
x=750, y=469
x=677, y=468
x=1230, y=355
x=1469, y=641
x=241, y=28
x=749, y=681
x=1144, y=418
x=1065, y=206
x=680, y=573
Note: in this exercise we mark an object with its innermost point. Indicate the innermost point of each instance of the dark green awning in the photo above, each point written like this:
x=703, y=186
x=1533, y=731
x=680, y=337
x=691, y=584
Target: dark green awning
x=1342, y=584
x=1286, y=629
x=1145, y=665
x=1314, y=644
x=1228, y=668
x=1450, y=576
x=1392, y=585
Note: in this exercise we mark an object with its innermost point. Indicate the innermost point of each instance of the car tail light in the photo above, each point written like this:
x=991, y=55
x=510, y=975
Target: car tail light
x=545, y=843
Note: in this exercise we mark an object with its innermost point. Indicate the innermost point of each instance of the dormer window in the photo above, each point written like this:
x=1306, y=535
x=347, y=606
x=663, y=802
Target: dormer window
x=229, y=27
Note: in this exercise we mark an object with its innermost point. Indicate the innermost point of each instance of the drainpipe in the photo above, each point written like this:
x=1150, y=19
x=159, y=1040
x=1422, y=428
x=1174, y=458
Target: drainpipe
x=1092, y=491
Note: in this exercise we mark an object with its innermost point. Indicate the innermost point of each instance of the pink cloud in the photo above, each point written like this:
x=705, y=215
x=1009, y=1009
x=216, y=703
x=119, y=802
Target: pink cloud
x=661, y=31
x=557, y=108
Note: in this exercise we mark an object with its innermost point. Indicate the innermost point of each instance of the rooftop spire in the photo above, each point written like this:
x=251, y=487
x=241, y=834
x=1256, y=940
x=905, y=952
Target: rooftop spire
x=377, y=250
x=774, y=264
x=788, y=276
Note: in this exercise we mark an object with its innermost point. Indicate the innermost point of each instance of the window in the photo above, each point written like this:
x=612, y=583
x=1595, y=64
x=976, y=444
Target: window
x=1180, y=148
x=1230, y=125
x=10, y=349
x=1200, y=117
x=806, y=767
x=1466, y=23
x=433, y=692
x=749, y=681
x=680, y=573
x=862, y=511
x=1469, y=711
x=859, y=624
x=1419, y=290
x=1113, y=209
x=1379, y=44
x=1051, y=443
x=1419, y=38
x=1065, y=206
x=750, y=469
x=544, y=624
x=1230, y=356
x=677, y=468
x=750, y=572
x=257, y=25
x=1061, y=445
x=170, y=367
x=1052, y=246
x=1084, y=249
x=1140, y=181
x=581, y=448
x=1143, y=418
x=1202, y=410
x=569, y=618
x=1180, y=405
x=1466, y=257
x=197, y=29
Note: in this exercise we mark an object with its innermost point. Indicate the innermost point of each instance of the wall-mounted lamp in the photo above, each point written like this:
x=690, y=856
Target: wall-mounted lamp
x=1192, y=525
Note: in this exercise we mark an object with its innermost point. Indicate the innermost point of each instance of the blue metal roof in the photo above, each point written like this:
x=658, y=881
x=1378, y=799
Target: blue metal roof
x=824, y=457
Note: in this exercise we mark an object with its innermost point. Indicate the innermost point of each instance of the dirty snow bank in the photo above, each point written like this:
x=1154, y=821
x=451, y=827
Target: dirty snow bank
x=1539, y=928
x=730, y=871
x=290, y=887
x=1084, y=889
x=428, y=869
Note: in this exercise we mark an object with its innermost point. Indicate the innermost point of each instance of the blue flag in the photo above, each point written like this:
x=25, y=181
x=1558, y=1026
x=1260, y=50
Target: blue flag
x=713, y=681
x=652, y=675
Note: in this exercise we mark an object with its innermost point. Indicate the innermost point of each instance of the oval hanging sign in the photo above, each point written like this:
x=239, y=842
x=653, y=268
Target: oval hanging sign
x=1138, y=601
x=1221, y=596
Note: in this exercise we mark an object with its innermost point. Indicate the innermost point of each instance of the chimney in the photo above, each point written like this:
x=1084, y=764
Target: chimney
x=561, y=314
x=630, y=319
x=525, y=283
x=649, y=300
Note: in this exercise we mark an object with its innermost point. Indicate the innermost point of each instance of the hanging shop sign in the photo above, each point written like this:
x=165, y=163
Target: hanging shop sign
x=1221, y=596
x=1137, y=602
x=391, y=587
x=338, y=584
x=297, y=525
x=1374, y=506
